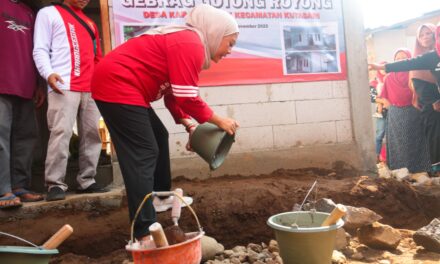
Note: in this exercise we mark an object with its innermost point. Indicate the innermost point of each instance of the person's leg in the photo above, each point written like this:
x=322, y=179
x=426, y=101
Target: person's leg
x=61, y=115
x=380, y=133
x=162, y=173
x=89, y=141
x=23, y=138
x=137, y=152
x=7, y=199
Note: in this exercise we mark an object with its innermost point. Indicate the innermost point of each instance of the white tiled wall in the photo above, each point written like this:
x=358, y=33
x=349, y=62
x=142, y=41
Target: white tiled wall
x=275, y=116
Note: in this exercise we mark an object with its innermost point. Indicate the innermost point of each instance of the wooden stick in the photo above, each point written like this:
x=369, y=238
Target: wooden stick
x=62, y=234
x=339, y=211
x=159, y=238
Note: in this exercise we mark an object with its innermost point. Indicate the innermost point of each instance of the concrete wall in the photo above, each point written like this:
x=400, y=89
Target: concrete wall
x=290, y=125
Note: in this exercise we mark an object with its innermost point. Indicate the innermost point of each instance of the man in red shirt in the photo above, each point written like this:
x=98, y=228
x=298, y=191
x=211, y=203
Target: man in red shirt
x=18, y=86
x=66, y=48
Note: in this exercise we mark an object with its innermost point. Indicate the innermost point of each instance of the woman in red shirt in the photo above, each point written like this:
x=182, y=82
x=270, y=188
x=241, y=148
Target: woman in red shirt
x=406, y=143
x=164, y=62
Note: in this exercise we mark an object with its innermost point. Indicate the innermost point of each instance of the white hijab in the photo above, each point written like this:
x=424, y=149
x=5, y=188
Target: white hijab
x=211, y=24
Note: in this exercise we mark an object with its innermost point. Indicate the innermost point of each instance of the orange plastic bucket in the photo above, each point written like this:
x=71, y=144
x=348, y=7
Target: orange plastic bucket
x=187, y=252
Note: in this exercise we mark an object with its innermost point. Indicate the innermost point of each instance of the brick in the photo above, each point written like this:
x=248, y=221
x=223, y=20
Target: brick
x=344, y=131
x=253, y=138
x=263, y=114
x=304, y=134
x=322, y=110
x=243, y=94
x=340, y=89
x=178, y=146
x=301, y=91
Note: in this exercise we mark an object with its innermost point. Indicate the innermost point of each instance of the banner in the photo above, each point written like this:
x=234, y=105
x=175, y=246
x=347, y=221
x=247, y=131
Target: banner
x=279, y=40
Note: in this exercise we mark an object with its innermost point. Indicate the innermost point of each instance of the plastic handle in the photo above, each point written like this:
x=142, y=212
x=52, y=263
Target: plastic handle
x=177, y=207
x=159, y=238
x=339, y=211
x=162, y=194
x=62, y=234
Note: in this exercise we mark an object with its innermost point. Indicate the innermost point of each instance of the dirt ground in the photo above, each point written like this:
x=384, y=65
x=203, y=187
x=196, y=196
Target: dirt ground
x=233, y=209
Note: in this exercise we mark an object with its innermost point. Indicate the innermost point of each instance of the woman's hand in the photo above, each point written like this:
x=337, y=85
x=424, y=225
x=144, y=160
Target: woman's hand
x=436, y=106
x=227, y=124
x=191, y=132
x=376, y=66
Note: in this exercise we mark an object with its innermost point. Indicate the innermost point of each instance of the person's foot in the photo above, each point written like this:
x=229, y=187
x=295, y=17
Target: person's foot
x=27, y=196
x=55, y=194
x=9, y=201
x=93, y=188
x=377, y=115
x=162, y=205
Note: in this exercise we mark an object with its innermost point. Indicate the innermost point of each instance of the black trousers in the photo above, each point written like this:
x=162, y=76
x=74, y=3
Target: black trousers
x=141, y=143
x=18, y=133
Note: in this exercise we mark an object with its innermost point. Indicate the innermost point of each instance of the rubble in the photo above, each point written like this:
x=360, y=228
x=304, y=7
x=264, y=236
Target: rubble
x=360, y=216
x=338, y=258
x=429, y=236
x=342, y=239
x=210, y=248
x=379, y=236
x=252, y=254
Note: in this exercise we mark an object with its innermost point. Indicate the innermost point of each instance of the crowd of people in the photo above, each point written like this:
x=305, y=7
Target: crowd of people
x=60, y=47
x=409, y=91
x=55, y=55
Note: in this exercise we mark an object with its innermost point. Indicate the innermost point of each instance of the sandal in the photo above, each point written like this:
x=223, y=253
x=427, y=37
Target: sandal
x=9, y=202
x=27, y=196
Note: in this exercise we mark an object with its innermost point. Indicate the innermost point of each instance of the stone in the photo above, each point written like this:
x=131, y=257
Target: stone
x=421, y=178
x=338, y=258
x=401, y=174
x=372, y=188
x=341, y=239
x=279, y=260
x=429, y=236
x=235, y=261
x=384, y=261
x=435, y=181
x=210, y=248
x=357, y=256
x=255, y=247
x=239, y=249
x=359, y=216
x=383, y=171
x=379, y=236
x=322, y=205
x=253, y=256
x=273, y=246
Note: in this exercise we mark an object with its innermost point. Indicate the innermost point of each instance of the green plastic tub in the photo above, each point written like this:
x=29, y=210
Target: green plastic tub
x=25, y=255
x=306, y=242
x=212, y=144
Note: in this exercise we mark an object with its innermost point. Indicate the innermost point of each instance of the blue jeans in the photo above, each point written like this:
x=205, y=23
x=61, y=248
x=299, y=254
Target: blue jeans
x=381, y=125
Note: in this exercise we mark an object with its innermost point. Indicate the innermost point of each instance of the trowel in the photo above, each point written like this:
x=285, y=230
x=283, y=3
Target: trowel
x=174, y=233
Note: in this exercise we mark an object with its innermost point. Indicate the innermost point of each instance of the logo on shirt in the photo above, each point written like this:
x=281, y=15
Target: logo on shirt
x=76, y=53
x=438, y=67
x=16, y=27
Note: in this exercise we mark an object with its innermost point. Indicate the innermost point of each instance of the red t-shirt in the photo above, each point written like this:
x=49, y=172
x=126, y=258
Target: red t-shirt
x=18, y=75
x=147, y=67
